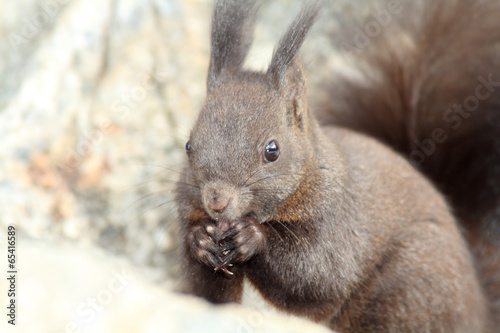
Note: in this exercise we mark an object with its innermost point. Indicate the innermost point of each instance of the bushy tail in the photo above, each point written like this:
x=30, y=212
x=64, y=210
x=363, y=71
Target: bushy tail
x=430, y=88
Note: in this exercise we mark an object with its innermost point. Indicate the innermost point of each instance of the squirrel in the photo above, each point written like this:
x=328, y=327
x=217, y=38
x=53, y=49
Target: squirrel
x=377, y=213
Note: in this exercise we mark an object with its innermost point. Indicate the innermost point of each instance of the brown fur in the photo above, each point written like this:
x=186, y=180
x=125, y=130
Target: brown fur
x=339, y=228
x=434, y=56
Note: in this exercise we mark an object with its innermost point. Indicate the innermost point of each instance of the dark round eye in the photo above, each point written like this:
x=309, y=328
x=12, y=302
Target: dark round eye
x=272, y=151
x=188, y=147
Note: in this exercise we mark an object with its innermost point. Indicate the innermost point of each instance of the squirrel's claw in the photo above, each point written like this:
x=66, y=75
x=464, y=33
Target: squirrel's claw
x=224, y=269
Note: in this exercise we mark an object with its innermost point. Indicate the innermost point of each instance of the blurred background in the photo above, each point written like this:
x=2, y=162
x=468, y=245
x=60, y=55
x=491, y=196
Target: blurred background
x=97, y=98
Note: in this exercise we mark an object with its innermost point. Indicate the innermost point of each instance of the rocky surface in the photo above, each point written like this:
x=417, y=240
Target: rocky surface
x=97, y=98
x=68, y=288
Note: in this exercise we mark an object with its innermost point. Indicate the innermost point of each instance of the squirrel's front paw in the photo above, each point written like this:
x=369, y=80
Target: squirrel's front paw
x=242, y=241
x=203, y=243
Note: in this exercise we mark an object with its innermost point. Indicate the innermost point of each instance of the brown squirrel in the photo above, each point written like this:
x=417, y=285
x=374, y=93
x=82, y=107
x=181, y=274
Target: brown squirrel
x=331, y=222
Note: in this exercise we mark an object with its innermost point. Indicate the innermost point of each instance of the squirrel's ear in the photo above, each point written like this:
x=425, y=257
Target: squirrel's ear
x=232, y=31
x=294, y=91
x=289, y=45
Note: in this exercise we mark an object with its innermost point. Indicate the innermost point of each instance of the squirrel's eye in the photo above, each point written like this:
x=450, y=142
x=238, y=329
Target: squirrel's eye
x=188, y=147
x=272, y=151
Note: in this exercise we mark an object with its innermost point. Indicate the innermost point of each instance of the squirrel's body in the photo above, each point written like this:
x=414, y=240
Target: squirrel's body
x=413, y=256
x=326, y=223
x=419, y=259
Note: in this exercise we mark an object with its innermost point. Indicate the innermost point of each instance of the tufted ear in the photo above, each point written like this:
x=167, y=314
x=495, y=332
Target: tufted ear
x=290, y=43
x=293, y=89
x=285, y=72
x=232, y=31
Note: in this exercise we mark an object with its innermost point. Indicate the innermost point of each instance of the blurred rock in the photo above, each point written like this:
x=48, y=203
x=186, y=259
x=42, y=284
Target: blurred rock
x=100, y=98
x=81, y=289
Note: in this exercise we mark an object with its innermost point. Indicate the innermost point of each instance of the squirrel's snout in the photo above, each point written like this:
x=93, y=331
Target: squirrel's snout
x=219, y=203
x=218, y=199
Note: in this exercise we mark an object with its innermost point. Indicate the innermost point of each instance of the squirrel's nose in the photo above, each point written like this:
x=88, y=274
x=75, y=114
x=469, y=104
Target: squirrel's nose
x=217, y=197
x=218, y=203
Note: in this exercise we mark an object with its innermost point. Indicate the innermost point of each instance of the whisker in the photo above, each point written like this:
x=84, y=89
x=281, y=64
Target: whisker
x=253, y=174
x=171, y=169
x=284, y=226
x=143, y=209
x=274, y=176
x=145, y=197
x=189, y=191
x=276, y=231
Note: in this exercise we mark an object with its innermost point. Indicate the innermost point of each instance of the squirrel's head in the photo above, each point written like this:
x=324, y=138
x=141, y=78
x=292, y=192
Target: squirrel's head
x=251, y=145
